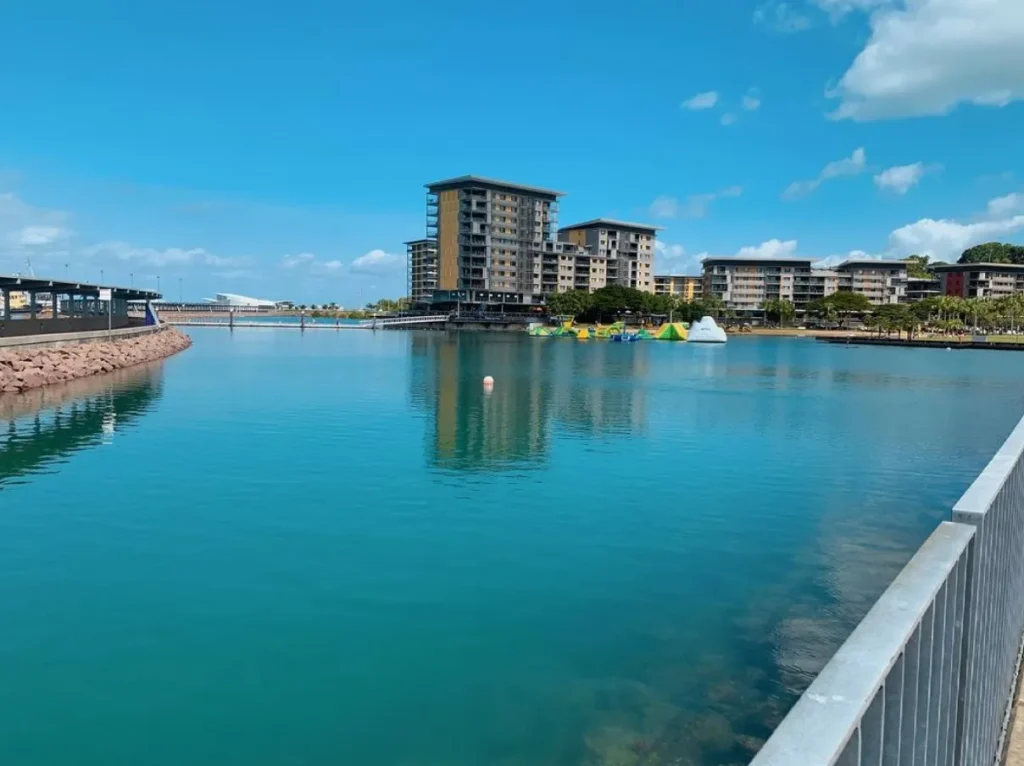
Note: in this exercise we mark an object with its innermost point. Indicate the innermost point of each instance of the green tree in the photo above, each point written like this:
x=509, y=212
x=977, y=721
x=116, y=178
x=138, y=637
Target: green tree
x=894, y=317
x=779, y=310
x=917, y=267
x=572, y=303
x=823, y=309
x=993, y=252
x=616, y=299
x=848, y=303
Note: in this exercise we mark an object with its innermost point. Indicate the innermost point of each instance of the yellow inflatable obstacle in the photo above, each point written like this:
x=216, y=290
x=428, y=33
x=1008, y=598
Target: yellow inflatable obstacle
x=671, y=331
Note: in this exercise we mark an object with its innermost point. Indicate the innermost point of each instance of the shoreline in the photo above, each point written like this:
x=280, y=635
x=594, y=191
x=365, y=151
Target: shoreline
x=31, y=368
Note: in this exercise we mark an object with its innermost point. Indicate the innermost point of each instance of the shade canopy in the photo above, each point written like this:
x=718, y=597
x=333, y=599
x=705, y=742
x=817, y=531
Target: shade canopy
x=65, y=287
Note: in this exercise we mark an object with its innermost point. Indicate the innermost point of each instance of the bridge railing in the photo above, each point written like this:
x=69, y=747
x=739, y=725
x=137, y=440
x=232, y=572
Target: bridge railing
x=928, y=675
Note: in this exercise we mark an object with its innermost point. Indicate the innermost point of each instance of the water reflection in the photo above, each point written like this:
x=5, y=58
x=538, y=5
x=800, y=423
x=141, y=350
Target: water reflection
x=589, y=389
x=48, y=424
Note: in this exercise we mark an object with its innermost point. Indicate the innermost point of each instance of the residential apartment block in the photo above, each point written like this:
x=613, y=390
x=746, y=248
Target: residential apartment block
x=880, y=281
x=499, y=238
x=744, y=284
x=628, y=248
x=421, y=265
x=980, y=280
x=686, y=288
x=919, y=288
x=565, y=266
x=489, y=233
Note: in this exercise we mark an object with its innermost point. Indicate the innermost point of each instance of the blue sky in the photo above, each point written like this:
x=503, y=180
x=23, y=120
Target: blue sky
x=280, y=149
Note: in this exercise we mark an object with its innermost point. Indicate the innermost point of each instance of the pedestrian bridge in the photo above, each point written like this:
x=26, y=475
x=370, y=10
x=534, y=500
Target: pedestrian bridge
x=928, y=677
x=385, y=322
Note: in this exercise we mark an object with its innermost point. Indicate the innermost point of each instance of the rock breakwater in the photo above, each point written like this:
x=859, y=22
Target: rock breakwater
x=25, y=369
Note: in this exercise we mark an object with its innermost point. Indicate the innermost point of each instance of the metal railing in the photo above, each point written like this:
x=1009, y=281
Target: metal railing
x=928, y=675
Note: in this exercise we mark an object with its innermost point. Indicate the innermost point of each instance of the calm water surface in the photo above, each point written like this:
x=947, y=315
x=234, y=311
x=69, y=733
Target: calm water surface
x=333, y=548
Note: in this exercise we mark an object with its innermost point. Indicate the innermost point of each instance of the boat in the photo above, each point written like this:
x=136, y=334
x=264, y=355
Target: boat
x=706, y=331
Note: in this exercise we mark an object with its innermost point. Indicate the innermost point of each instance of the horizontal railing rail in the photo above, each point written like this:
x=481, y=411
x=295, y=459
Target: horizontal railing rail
x=928, y=675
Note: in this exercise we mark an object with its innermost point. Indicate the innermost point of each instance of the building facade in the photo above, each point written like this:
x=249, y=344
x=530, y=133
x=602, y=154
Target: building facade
x=421, y=267
x=980, y=280
x=686, y=288
x=565, y=266
x=919, y=288
x=744, y=284
x=628, y=249
x=881, y=282
x=489, y=234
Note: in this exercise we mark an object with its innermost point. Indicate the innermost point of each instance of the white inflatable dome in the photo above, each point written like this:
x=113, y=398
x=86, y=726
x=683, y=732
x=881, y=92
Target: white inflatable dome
x=706, y=331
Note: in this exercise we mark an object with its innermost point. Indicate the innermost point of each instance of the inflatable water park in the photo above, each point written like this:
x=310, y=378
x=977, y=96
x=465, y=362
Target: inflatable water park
x=704, y=331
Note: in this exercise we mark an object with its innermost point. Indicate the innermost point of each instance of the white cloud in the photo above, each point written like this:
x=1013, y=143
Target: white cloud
x=664, y=207
x=773, y=248
x=901, y=178
x=27, y=230
x=33, y=236
x=781, y=17
x=694, y=206
x=1002, y=206
x=292, y=261
x=752, y=101
x=376, y=262
x=150, y=256
x=309, y=263
x=702, y=101
x=945, y=240
x=668, y=251
x=839, y=8
x=853, y=165
x=925, y=57
x=728, y=118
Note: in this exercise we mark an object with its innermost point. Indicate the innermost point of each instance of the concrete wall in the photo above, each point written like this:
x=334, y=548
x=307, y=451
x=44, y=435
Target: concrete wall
x=72, y=338
x=16, y=328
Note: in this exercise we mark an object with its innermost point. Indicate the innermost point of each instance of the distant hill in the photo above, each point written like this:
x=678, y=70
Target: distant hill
x=993, y=252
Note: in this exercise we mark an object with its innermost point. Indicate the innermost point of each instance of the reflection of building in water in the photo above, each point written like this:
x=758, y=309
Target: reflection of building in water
x=473, y=430
x=599, y=387
x=50, y=423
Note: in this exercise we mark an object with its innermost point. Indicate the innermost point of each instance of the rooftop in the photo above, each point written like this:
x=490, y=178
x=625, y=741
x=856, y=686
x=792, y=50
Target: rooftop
x=872, y=263
x=70, y=287
x=978, y=267
x=611, y=223
x=755, y=259
x=460, y=182
x=421, y=242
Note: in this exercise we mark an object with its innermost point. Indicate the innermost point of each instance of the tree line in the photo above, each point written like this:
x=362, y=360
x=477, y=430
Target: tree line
x=613, y=301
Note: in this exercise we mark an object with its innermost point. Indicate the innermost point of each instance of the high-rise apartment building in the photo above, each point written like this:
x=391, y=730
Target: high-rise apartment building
x=880, y=281
x=421, y=265
x=686, y=288
x=490, y=234
x=980, y=280
x=628, y=248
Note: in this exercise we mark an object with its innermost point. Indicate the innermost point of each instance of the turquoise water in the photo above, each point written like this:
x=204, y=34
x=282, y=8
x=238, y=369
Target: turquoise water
x=287, y=548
